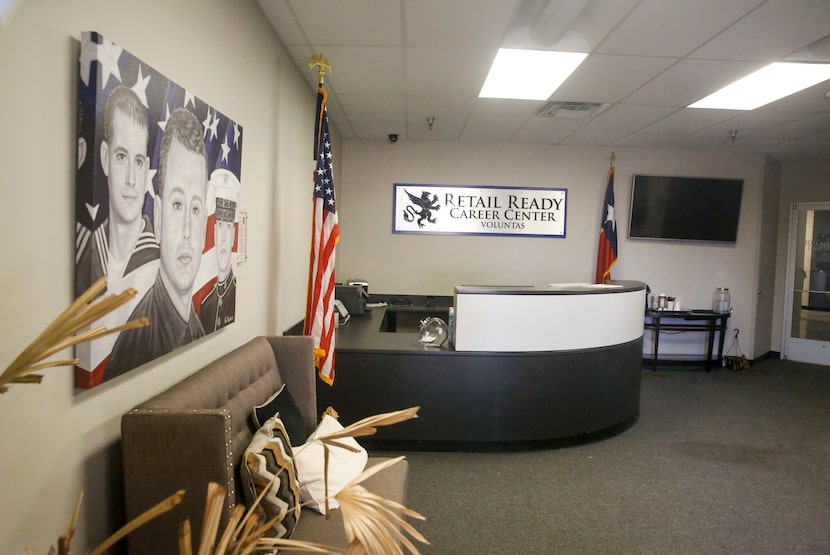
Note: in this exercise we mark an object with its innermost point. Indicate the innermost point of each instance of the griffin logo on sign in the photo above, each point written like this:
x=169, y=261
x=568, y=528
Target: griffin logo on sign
x=425, y=207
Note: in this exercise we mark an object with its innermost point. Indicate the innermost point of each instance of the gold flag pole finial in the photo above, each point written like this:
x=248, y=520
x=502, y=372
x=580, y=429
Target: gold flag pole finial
x=613, y=158
x=321, y=63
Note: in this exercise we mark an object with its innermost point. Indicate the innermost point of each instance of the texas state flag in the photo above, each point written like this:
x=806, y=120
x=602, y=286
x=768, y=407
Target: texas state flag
x=607, y=250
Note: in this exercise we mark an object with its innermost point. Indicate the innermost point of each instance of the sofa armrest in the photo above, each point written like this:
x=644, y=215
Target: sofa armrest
x=295, y=360
x=168, y=450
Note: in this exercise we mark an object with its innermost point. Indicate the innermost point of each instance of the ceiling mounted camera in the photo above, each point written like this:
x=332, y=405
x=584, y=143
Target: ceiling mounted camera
x=393, y=137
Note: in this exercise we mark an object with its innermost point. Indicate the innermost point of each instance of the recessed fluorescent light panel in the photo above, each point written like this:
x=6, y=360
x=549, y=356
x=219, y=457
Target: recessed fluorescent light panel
x=765, y=85
x=528, y=74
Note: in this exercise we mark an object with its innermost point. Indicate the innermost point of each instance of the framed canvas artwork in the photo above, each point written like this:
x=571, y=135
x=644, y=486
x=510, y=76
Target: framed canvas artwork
x=157, y=185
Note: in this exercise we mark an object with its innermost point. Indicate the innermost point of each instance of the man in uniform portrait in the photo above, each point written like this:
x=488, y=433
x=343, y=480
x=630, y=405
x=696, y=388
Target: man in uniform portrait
x=123, y=248
x=179, y=217
x=219, y=306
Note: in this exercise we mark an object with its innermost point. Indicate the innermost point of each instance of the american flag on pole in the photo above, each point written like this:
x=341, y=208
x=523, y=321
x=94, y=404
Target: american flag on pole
x=607, y=250
x=325, y=234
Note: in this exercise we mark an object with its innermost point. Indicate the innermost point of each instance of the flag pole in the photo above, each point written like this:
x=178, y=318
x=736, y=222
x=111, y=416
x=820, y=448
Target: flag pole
x=321, y=316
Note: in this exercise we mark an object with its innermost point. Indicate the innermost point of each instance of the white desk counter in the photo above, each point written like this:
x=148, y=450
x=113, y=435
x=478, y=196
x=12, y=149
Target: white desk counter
x=552, y=318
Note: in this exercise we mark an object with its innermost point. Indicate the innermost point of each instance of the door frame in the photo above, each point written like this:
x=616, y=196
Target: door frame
x=787, y=341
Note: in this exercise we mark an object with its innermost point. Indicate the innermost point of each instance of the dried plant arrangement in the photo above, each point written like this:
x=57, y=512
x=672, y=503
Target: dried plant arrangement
x=373, y=525
x=71, y=327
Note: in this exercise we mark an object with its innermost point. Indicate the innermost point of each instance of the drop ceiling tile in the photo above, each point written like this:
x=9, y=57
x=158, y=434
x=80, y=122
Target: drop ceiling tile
x=753, y=121
x=498, y=112
x=690, y=80
x=447, y=71
x=540, y=133
x=448, y=110
x=624, y=118
x=604, y=78
x=797, y=129
x=352, y=23
x=672, y=28
x=464, y=23
x=687, y=121
x=361, y=70
x=796, y=24
x=374, y=110
x=596, y=21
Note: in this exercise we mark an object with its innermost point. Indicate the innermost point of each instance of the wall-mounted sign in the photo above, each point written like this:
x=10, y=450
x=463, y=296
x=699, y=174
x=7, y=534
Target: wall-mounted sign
x=452, y=209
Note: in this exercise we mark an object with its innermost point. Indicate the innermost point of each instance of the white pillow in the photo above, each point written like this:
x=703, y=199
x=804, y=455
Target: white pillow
x=344, y=466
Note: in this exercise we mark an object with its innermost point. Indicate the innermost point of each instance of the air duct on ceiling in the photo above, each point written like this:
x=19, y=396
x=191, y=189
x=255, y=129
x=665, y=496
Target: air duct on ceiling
x=542, y=23
x=571, y=110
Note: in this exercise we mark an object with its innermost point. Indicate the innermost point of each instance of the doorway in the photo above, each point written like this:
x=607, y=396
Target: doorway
x=806, y=333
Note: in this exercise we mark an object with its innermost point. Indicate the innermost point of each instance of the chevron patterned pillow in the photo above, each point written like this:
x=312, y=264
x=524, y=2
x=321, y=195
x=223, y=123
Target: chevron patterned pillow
x=269, y=458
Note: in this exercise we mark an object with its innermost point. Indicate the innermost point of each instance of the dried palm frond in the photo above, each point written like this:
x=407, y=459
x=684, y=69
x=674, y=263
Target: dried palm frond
x=368, y=426
x=373, y=525
x=375, y=522
x=244, y=534
x=70, y=328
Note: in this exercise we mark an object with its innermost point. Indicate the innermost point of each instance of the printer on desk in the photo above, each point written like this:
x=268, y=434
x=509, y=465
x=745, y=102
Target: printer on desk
x=353, y=298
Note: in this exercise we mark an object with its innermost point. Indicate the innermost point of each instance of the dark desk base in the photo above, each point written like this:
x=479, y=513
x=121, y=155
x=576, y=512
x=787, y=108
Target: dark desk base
x=373, y=444
x=489, y=401
x=695, y=321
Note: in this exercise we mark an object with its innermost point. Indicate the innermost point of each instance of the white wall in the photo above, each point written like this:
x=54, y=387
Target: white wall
x=55, y=441
x=432, y=264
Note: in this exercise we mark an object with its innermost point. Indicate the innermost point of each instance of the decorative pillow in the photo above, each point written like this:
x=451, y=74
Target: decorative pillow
x=344, y=466
x=269, y=457
x=283, y=404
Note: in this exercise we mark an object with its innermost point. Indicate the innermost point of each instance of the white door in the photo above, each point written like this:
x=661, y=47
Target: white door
x=806, y=334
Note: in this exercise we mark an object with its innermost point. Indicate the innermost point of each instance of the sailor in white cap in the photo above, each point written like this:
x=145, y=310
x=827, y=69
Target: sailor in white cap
x=219, y=306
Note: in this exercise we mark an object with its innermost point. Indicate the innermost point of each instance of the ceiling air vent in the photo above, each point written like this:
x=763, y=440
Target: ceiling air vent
x=571, y=110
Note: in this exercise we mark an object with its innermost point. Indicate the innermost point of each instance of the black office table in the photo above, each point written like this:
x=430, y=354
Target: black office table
x=693, y=320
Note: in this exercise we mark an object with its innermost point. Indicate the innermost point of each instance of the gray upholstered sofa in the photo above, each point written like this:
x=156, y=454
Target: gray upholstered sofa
x=196, y=431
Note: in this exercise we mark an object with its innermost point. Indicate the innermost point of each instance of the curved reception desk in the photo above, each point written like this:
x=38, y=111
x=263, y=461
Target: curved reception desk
x=532, y=367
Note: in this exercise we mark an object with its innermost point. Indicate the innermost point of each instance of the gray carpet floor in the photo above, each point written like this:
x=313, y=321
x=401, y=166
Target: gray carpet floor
x=723, y=462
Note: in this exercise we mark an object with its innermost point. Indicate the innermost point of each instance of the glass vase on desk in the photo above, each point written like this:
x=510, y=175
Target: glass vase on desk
x=721, y=300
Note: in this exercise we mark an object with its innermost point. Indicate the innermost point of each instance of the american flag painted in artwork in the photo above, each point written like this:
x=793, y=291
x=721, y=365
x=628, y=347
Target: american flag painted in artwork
x=325, y=234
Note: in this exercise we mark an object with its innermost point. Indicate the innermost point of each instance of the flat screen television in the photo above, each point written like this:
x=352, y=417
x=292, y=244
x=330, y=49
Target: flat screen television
x=685, y=208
